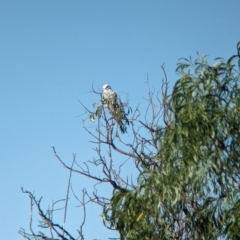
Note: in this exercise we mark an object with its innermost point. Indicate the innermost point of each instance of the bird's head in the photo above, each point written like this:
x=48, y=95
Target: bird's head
x=106, y=87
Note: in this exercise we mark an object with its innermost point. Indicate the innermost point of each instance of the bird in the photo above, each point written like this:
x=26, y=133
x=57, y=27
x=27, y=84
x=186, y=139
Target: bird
x=113, y=102
x=108, y=93
x=110, y=98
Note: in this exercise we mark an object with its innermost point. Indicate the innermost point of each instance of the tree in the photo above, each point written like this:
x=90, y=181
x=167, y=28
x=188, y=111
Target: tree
x=185, y=150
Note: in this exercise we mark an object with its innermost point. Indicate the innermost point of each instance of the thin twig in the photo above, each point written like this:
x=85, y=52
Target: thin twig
x=67, y=195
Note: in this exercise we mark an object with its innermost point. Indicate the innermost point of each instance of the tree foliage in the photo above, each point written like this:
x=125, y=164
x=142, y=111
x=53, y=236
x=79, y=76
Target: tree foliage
x=185, y=149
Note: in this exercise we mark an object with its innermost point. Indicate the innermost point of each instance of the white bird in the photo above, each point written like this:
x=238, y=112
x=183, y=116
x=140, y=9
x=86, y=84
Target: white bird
x=109, y=98
x=108, y=93
x=115, y=107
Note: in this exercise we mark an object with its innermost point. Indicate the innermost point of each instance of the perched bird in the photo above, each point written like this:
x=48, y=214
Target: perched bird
x=108, y=93
x=115, y=107
x=109, y=98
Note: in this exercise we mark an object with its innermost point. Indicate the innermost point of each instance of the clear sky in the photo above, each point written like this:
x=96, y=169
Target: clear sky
x=50, y=53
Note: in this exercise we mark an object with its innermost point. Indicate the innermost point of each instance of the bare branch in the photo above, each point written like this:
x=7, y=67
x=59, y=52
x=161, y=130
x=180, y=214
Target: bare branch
x=46, y=223
x=67, y=195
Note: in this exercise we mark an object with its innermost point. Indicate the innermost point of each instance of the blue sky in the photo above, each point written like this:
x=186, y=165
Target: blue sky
x=50, y=53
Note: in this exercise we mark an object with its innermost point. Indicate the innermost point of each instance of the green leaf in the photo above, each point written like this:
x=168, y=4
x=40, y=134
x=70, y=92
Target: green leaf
x=91, y=117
